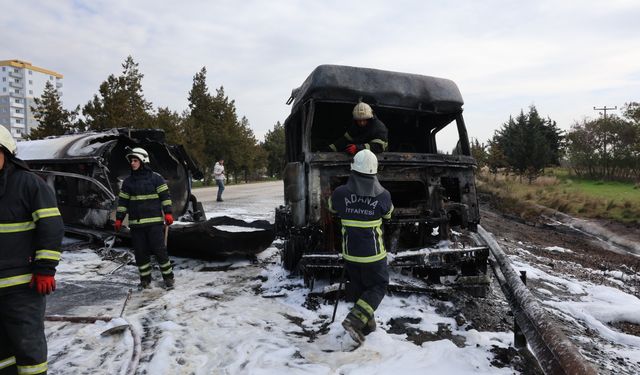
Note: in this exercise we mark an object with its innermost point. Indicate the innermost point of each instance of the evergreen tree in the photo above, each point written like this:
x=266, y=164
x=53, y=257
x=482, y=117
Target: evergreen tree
x=52, y=118
x=525, y=144
x=170, y=122
x=120, y=103
x=479, y=153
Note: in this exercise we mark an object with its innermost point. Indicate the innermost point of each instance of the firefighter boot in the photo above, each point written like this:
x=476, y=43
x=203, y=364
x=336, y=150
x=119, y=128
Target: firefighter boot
x=169, y=283
x=145, y=282
x=370, y=327
x=354, y=326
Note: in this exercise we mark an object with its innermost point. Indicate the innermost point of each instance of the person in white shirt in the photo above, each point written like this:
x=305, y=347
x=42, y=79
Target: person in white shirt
x=218, y=175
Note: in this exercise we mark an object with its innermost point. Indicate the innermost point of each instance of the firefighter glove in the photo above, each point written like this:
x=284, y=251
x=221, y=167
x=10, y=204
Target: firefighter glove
x=117, y=225
x=351, y=149
x=168, y=219
x=44, y=284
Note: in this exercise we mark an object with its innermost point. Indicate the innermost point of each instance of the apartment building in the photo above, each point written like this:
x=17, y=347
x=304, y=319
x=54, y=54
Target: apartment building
x=20, y=83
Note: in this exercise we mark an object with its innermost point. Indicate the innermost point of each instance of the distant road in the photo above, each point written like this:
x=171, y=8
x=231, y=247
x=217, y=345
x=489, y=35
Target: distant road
x=243, y=192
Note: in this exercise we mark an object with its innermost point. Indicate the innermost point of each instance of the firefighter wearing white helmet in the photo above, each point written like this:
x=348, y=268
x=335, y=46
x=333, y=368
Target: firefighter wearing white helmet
x=139, y=153
x=362, y=204
x=365, y=133
x=145, y=197
x=31, y=231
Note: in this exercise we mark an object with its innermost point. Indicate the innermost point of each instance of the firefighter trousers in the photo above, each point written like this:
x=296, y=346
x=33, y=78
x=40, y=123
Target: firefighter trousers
x=367, y=284
x=23, y=345
x=147, y=241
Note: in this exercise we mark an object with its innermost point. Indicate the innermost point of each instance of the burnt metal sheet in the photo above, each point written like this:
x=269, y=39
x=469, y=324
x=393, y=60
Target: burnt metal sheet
x=379, y=87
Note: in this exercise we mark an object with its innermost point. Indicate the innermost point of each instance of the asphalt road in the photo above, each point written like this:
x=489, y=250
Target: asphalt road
x=241, y=192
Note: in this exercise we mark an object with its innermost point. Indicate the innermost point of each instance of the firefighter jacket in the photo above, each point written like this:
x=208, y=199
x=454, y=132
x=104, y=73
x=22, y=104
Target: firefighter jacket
x=361, y=219
x=31, y=227
x=373, y=137
x=144, y=196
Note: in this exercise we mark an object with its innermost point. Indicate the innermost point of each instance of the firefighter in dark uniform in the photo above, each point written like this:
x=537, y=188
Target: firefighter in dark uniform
x=365, y=133
x=145, y=197
x=361, y=204
x=31, y=232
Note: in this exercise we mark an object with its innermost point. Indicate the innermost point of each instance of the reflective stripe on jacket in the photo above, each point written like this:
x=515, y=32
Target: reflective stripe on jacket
x=31, y=227
x=144, y=196
x=361, y=219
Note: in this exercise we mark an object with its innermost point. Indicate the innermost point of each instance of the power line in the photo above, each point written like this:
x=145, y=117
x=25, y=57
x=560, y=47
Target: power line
x=605, y=109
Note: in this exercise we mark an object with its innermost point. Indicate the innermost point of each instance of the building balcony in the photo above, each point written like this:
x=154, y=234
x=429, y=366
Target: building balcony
x=16, y=94
x=17, y=115
x=15, y=75
x=17, y=85
x=13, y=104
x=58, y=85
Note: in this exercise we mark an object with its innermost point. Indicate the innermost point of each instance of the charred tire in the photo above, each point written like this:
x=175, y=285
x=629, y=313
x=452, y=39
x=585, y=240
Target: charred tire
x=292, y=252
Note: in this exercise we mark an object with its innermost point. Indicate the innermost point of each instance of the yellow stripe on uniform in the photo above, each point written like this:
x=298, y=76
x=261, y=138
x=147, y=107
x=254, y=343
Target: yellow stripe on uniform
x=144, y=197
x=32, y=370
x=162, y=188
x=17, y=227
x=45, y=212
x=330, y=206
x=4, y=363
x=365, y=306
x=388, y=214
x=48, y=254
x=15, y=280
x=147, y=220
x=166, y=203
x=121, y=209
x=124, y=195
x=371, y=259
x=361, y=223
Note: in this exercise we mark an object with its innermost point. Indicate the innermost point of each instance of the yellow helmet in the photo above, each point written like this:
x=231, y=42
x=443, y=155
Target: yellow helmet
x=362, y=111
x=7, y=141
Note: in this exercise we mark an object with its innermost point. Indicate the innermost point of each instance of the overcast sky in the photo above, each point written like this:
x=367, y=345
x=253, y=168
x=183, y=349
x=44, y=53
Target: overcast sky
x=564, y=57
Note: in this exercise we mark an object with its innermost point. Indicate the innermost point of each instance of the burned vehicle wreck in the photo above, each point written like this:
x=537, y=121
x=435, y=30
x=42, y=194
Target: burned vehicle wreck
x=433, y=192
x=86, y=171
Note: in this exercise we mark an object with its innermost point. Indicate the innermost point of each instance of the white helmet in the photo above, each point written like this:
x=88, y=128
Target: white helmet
x=139, y=153
x=362, y=111
x=7, y=141
x=365, y=162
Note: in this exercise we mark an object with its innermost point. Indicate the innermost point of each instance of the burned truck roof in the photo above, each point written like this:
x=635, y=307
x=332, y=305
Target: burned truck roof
x=379, y=87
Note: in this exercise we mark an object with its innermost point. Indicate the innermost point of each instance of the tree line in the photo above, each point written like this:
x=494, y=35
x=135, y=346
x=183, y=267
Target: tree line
x=210, y=129
x=604, y=148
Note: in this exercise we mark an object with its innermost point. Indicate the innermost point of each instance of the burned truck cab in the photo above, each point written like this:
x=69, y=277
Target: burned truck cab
x=433, y=189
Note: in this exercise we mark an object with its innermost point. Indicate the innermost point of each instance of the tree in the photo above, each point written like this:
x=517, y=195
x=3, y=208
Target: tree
x=495, y=158
x=527, y=144
x=120, y=103
x=170, y=122
x=52, y=118
x=274, y=146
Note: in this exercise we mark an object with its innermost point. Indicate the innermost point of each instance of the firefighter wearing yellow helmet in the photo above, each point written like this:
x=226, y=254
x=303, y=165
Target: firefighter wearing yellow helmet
x=31, y=232
x=365, y=133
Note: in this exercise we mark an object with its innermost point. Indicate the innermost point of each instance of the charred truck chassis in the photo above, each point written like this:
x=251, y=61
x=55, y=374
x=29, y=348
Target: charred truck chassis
x=433, y=193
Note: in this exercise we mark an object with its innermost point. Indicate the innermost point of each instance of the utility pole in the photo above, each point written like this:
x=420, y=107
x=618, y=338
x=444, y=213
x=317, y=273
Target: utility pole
x=604, y=114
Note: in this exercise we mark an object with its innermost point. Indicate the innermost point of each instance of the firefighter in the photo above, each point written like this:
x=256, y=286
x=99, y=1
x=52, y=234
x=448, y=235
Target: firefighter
x=366, y=132
x=145, y=197
x=31, y=232
x=361, y=204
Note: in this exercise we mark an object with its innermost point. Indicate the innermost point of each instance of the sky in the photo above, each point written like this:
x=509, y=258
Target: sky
x=563, y=57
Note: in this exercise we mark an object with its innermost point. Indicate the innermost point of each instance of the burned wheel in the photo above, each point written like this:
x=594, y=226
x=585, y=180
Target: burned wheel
x=292, y=252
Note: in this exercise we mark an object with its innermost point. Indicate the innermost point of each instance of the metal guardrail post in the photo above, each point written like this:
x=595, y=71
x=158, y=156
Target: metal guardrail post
x=553, y=350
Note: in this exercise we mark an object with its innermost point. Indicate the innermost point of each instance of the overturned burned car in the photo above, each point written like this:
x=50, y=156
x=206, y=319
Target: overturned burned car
x=86, y=171
x=433, y=192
